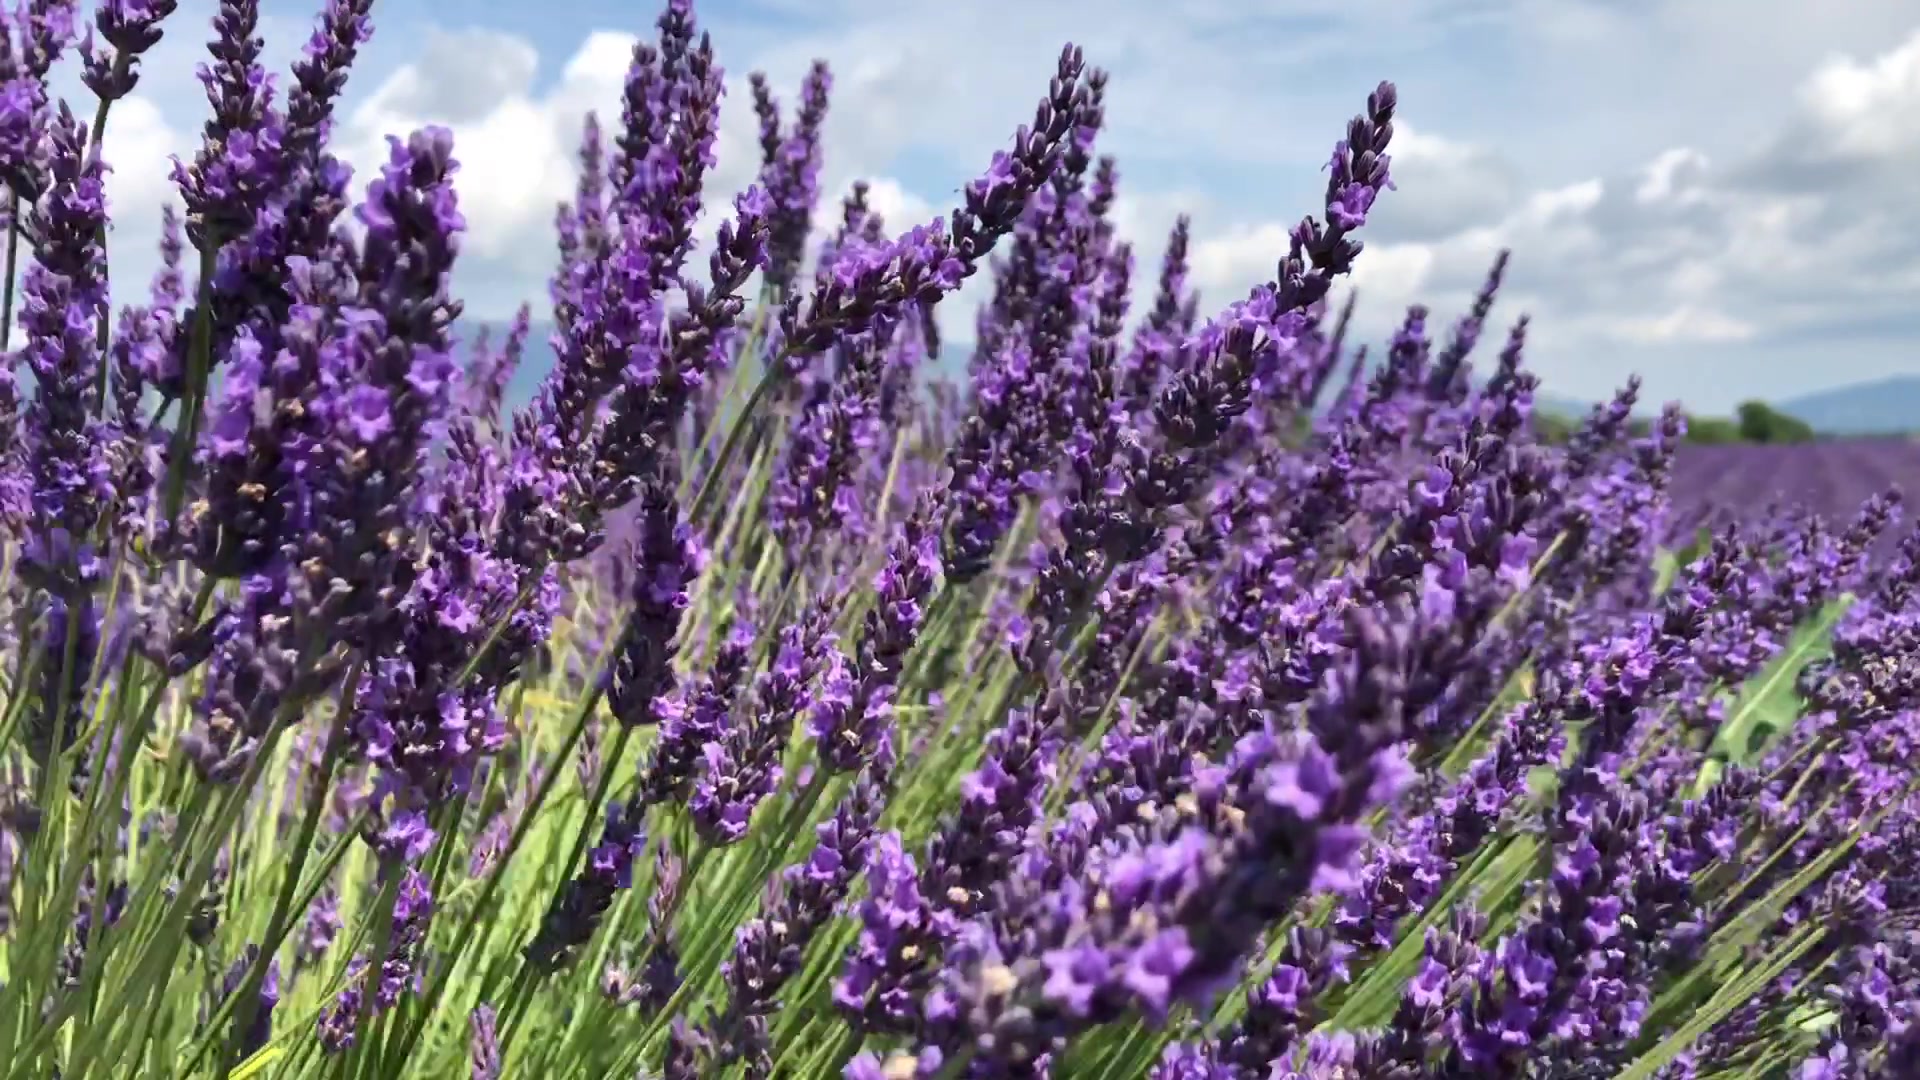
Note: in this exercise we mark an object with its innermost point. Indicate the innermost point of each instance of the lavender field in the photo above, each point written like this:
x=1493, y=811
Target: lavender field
x=1830, y=477
x=760, y=700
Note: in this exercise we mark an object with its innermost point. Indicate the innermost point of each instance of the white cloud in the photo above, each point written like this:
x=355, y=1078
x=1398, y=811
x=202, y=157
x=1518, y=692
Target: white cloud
x=460, y=75
x=1711, y=176
x=1393, y=275
x=1450, y=185
x=139, y=184
x=1869, y=107
x=1673, y=177
x=1682, y=325
x=1806, y=234
x=899, y=209
x=517, y=150
x=1556, y=206
x=1226, y=262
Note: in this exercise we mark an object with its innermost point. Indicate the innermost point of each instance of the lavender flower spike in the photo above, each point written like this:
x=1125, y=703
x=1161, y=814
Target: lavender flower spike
x=666, y=562
x=932, y=261
x=236, y=170
x=65, y=300
x=576, y=912
x=485, y=1044
x=790, y=175
x=260, y=1031
x=132, y=27
x=768, y=950
x=852, y=718
x=742, y=767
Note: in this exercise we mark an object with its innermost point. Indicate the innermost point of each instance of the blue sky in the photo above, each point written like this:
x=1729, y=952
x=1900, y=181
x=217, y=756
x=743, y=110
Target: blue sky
x=1715, y=194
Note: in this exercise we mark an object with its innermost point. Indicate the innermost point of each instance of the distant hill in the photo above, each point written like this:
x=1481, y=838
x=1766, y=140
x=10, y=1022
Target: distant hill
x=1882, y=407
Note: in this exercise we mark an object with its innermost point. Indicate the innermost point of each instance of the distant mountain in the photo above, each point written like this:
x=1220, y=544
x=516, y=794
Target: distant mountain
x=1882, y=407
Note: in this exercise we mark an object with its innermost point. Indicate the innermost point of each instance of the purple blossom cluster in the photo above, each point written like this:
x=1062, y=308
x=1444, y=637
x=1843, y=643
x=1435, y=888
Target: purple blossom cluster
x=376, y=986
x=1185, y=692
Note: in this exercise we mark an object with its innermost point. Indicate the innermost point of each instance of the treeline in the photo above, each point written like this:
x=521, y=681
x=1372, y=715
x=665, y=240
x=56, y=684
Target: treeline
x=1752, y=422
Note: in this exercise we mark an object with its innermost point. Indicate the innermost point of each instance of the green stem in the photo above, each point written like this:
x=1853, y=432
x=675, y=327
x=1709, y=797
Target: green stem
x=581, y=838
x=152, y=962
x=13, y=259
x=710, y=484
x=43, y=926
x=377, y=942
x=447, y=824
x=451, y=962
x=584, y=835
x=122, y=64
x=518, y=998
x=186, y=430
x=281, y=920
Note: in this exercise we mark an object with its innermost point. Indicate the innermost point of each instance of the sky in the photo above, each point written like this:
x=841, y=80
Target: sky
x=1717, y=195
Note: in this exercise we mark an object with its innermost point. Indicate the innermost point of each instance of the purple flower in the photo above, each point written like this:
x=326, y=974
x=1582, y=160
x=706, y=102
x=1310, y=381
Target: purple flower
x=239, y=162
x=1576, y=977
x=790, y=170
x=813, y=496
x=1403, y=877
x=768, y=950
x=852, y=717
x=1282, y=1009
x=660, y=975
x=484, y=1044
x=321, y=927
x=666, y=562
x=46, y=28
x=260, y=1030
x=693, y=730
x=131, y=27
x=397, y=342
x=576, y=912
x=64, y=299
x=1446, y=382
x=664, y=372
x=887, y=970
x=931, y=261
x=741, y=768
x=320, y=75
x=397, y=972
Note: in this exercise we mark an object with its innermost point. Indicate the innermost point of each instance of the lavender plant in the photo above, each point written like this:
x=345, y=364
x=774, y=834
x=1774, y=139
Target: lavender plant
x=754, y=702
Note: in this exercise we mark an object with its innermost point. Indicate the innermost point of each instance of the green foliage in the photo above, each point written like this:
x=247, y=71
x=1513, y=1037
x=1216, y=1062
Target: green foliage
x=1760, y=423
x=1554, y=428
x=1770, y=703
x=1755, y=422
x=1712, y=430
